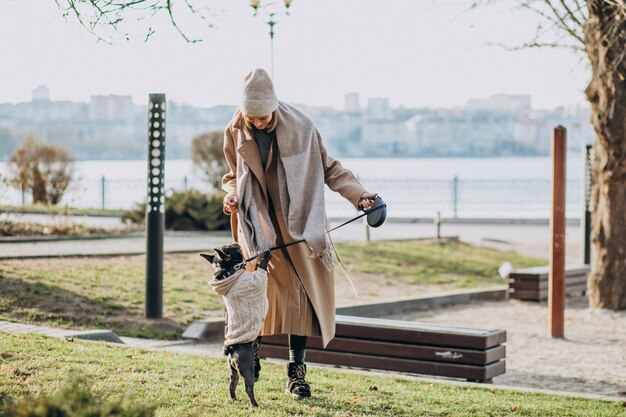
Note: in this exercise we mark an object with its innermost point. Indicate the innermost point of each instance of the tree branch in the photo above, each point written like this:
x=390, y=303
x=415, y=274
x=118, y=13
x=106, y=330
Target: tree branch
x=563, y=24
x=101, y=14
x=571, y=14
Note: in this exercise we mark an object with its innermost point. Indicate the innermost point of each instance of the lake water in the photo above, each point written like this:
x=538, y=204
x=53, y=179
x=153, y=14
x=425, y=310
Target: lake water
x=512, y=187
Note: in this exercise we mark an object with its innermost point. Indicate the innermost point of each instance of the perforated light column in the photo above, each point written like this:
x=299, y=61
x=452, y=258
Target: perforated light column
x=155, y=206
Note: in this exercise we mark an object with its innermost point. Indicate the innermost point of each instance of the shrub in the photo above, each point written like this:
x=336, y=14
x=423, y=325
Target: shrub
x=188, y=210
x=43, y=170
x=75, y=400
x=208, y=156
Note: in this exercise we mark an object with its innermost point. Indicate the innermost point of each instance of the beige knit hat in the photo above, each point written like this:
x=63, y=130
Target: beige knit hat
x=259, y=98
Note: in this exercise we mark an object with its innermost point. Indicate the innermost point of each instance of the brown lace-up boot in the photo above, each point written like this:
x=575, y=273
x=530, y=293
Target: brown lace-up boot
x=297, y=386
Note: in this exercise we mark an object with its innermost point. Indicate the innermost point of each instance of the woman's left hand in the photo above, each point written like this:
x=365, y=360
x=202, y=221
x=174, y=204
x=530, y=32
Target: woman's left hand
x=367, y=200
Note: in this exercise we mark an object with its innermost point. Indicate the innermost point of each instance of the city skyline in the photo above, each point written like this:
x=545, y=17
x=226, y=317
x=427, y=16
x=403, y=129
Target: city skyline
x=43, y=93
x=112, y=126
x=416, y=53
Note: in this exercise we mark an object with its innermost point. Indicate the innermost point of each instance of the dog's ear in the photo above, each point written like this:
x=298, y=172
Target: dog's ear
x=221, y=254
x=208, y=257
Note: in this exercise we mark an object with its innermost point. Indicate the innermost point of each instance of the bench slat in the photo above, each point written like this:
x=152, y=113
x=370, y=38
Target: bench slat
x=535, y=278
x=542, y=295
x=400, y=350
x=543, y=271
x=471, y=372
x=417, y=333
x=573, y=282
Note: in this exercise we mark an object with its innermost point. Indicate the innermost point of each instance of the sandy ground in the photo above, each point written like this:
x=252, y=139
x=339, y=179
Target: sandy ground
x=590, y=359
x=372, y=287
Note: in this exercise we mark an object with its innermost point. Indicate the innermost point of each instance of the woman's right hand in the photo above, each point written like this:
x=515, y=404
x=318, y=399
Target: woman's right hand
x=231, y=202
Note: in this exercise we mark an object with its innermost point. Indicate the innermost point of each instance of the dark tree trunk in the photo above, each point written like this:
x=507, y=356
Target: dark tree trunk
x=607, y=95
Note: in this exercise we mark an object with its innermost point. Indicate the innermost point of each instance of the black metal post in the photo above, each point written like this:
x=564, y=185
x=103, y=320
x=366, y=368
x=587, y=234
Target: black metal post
x=455, y=195
x=586, y=215
x=155, y=207
x=102, y=189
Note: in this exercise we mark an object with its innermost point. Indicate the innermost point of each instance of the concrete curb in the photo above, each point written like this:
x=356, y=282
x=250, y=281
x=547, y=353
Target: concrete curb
x=97, y=336
x=205, y=329
x=402, y=305
x=213, y=328
x=93, y=335
x=48, y=213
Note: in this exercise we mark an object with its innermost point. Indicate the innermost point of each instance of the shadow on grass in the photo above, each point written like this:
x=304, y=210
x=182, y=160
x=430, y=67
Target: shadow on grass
x=38, y=303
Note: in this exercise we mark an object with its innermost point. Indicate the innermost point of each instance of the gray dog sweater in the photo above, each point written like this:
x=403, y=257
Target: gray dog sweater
x=245, y=297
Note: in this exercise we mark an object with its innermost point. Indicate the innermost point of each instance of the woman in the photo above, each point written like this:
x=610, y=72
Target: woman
x=275, y=194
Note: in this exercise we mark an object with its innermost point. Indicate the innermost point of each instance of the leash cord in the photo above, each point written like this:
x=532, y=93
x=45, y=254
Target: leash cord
x=286, y=245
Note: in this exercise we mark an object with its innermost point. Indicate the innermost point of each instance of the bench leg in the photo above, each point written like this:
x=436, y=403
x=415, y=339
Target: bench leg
x=482, y=381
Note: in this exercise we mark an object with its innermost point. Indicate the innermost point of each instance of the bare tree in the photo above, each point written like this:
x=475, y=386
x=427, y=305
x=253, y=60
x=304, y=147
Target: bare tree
x=605, y=44
x=43, y=170
x=105, y=18
x=598, y=28
x=208, y=156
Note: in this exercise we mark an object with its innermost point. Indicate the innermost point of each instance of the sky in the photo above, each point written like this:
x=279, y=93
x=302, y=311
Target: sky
x=417, y=53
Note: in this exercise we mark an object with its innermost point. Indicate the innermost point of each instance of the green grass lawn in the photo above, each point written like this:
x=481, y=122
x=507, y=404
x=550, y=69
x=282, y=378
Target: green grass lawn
x=184, y=385
x=426, y=262
x=108, y=293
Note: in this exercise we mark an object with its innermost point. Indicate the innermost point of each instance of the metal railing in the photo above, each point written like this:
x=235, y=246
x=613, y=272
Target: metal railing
x=407, y=198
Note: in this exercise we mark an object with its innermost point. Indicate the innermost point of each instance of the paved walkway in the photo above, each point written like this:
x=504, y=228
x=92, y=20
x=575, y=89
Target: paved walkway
x=529, y=239
x=129, y=245
x=181, y=346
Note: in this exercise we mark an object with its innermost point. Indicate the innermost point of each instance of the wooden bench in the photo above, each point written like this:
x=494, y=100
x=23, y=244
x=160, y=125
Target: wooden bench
x=403, y=346
x=531, y=284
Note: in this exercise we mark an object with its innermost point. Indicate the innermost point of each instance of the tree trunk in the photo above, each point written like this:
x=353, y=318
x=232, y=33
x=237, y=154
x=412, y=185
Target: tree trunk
x=607, y=95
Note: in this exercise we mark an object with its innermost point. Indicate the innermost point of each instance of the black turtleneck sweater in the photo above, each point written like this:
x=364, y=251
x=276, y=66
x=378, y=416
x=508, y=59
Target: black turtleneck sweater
x=264, y=140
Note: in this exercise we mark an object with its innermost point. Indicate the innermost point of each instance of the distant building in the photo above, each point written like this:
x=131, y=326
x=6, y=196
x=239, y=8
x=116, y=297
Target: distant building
x=351, y=103
x=111, y=108
x=384, y=138
x=459, y=133
x=509, y=103
x=378, y=109
x=41, y=93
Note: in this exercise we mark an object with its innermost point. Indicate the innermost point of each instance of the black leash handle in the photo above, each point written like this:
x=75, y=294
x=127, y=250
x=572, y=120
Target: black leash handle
x=286, y=245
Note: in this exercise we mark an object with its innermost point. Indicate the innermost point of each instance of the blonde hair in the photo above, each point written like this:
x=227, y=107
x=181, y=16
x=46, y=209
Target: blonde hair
x=270, y=128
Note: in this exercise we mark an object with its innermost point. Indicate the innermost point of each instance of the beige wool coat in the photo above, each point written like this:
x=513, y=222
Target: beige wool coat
x=317, y=281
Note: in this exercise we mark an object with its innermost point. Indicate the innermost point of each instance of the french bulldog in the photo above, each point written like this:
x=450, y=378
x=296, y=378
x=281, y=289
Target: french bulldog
x=227, y=261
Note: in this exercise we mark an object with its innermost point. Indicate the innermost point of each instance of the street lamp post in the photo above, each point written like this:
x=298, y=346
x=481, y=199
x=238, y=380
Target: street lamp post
x=271, y=16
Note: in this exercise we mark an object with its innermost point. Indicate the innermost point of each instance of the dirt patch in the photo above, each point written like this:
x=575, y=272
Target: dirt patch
x=378, y=287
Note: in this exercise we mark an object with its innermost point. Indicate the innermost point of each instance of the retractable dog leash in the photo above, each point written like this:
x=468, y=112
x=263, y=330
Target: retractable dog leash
x=376, y=216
